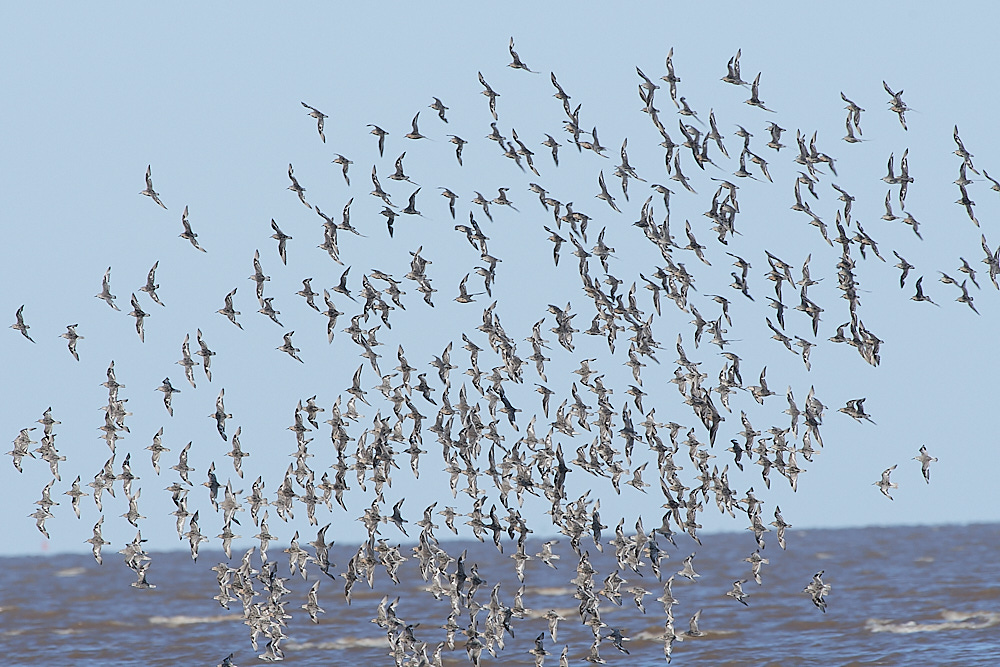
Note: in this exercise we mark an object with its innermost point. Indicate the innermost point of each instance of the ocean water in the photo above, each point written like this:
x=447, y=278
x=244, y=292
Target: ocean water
x=900, y=596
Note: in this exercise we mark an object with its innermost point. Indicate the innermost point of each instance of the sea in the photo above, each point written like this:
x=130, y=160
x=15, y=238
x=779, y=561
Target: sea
x=898, y=596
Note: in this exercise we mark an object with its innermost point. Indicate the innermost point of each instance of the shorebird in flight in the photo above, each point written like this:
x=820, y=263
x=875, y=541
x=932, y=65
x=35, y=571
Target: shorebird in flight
x=755, y=95
x=737, y=592
x=140, y=315
x=415, y=132
x=296, y=188
x=490, y=93
x=72, y=336
x=150, y=287
x=516, y=60
x=459, y=144
x=380, y=133
x=925, y=463
x=897, y=104
x=320, y=117
x=818, y=590
x=440, y=108
x=188, y=234
x=229, y=311
x=106, y=290
x=149, y=191
x=344, y=163
x=885, y=484
x=19, y=324
x=282, y=238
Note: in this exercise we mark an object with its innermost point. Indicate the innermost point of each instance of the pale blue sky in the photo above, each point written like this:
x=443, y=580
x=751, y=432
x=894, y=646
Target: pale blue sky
x=210, y=97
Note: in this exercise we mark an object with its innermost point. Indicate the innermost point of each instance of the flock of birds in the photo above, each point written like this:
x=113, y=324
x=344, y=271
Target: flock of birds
x=515, y=454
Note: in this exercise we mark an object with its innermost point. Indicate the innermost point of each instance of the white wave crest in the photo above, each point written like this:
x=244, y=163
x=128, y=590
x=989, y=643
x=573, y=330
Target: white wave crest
x=181, y=619
x=338, y=644
x=952, y=620
x=552, y=591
